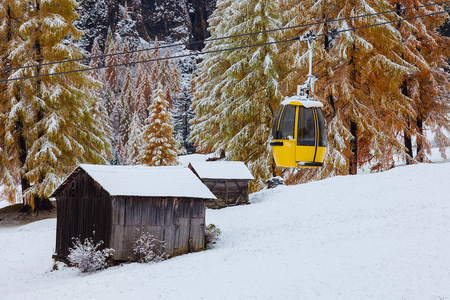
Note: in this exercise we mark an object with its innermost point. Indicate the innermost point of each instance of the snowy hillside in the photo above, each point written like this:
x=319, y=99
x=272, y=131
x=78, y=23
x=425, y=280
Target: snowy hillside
x=372, y=236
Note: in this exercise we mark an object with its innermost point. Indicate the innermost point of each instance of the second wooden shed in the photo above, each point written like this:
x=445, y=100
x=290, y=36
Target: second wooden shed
x=116, y=204
x=227, y=180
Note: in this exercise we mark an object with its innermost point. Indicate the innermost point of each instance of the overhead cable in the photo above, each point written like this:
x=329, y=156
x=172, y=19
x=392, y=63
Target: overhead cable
x=212, y=51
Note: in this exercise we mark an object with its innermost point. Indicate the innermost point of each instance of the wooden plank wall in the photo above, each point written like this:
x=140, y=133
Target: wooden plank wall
x=180, y=222
x=227, y=191
x=84, y=210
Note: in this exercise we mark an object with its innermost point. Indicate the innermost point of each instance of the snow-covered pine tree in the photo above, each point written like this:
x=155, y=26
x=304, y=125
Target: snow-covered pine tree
x=241, y=101
x=427, y=88
x=125, y=58
x=96, y=60
x=11, y=12
x=158, y=147
x=359, y=78
x=115, y=118
x=155, y=68
x=208, y=81
x=134, y=144
x=125, y=121
x=128, y=93
x=111, y=75
x=50, y=122
x=182, y=116
x=109, y=100
x=169, y=76
x=142, y=94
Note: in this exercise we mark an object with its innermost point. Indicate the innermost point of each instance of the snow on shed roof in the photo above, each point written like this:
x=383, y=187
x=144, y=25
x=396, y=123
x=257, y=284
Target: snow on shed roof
x=222, y=170
x=144, y=181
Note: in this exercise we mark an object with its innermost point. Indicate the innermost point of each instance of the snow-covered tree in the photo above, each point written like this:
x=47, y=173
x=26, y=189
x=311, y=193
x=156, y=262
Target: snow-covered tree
x=125, y=121
x=159, y=147
x=238, y=91
x=182, y=115
x=359, y=75
x=11, y=12
x=111, y=75
x=134, y=144
x=96, y=60
x=427, y=88
x=142, y=96
x=49, y=128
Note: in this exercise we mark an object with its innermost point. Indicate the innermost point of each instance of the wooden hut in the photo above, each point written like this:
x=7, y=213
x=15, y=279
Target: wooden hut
x=227, y=180
x=116, y=204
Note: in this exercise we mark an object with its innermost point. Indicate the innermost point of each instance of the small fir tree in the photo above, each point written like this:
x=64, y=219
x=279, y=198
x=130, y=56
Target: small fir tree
x=159, y=143
x=111, y=75
x=96, y=60
x=135, y=143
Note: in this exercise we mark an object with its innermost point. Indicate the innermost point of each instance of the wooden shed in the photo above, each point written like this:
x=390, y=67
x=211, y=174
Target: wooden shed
x=227, y=180
x=116, y=204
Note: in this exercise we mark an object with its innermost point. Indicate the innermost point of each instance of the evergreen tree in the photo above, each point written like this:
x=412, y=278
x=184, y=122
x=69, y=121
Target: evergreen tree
x=134, y=144
x=96, y=60
x=142, y=97
x=426, y=88
x=128, y=93
x=158, y=141
x=155, y=69
x=11, y=13
x=182, y=116
x=237, y=107
x=50, y=117
x=359, y=78
x=111, y=75
x=125, y=121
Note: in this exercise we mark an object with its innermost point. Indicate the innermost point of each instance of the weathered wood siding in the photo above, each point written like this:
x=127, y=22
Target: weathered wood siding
x=179, y=222
x=228, y=192
x=84, y=210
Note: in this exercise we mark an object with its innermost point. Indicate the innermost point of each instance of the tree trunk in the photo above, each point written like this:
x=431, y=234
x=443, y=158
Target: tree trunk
x=420, y=154
x=408, y=145
x=407, y=131
x=353, y=161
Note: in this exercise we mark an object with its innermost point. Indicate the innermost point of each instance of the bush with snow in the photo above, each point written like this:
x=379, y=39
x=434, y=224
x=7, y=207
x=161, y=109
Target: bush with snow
x=87, y=255
x=149, y=249
x=212, y=234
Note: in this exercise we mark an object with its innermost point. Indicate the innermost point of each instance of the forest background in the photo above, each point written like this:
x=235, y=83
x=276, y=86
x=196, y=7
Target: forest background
x=382, y=86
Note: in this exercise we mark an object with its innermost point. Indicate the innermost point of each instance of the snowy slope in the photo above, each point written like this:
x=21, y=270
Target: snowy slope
x=372, y=236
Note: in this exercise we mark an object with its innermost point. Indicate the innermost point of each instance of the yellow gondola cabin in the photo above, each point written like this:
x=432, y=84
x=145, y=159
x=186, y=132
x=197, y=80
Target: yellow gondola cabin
x=299, y=128
x=299, y=134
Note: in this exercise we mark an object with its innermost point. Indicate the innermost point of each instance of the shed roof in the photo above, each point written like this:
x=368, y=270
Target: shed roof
x=143, y=181
x=222, y=170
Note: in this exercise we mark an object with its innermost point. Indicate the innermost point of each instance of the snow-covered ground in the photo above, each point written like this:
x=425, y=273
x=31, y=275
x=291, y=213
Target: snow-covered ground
x=369, y=236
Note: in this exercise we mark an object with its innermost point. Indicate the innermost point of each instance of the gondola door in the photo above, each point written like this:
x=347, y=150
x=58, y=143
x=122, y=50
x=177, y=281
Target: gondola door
x=311, y=137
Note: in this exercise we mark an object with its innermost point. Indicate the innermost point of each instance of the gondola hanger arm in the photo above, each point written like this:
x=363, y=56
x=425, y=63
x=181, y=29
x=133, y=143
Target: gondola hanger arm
x=307, y=89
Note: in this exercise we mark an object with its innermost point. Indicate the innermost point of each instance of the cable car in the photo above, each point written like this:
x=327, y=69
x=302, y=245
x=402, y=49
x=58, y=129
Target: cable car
x=299, y=128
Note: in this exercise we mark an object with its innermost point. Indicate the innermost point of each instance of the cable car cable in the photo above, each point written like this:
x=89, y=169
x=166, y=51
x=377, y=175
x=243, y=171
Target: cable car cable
x=401, y=9
x=208, y=52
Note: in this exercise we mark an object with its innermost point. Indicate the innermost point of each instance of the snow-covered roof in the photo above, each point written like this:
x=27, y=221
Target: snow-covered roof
x=144, y=181
x=221, y=170
x=299, y=100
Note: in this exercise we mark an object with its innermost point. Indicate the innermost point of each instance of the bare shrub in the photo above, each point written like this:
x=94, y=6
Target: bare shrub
x=149, y=249
x=212, y=234
x=87, y=256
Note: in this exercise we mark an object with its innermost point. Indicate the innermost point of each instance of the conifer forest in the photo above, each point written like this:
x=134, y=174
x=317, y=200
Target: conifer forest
x=152, y=92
